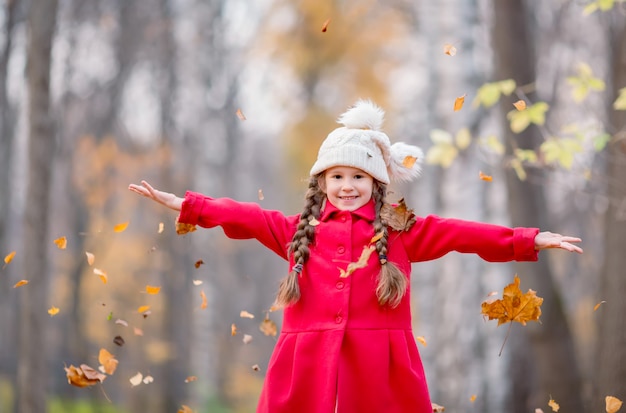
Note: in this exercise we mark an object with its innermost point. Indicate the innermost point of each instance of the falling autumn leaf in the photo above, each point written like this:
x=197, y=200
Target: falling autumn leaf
x=538, y=410
x=143, y=308
x=121, y=322
x=595, y=307
x=161, y=227
x=246, y=338
x=197, y=282
x=152, y=289
x=61, y=243
x=101, y=274
x=90, y=258
x=119, y=340
x=437, y=408
x=449, y=49
x=245, y=314
x=185, y=409
x=53, y=311
x=204, y=304
x=421, y=340
x=613, y=404
x=256, y=367
x=514, y=305
x=261, y=196
x=198, y=263
x=121, y=227
x=190, y=379
x=9, y=257
x=487, y=178
x=520, y=105
x=83, y=376
x=137, y=331
x=398, y=217
x=268, y=327
x=233, y=329
x=148, y=379
x=20, y=283
x=325, y=25
x=108, y=361
x=240, y=115
x=554, y=405
x=136, y=379
x=361, y=263
x=473, y=398
x=458, y=103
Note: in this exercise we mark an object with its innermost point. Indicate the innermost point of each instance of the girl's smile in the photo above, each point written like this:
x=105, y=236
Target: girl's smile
x=347, y=188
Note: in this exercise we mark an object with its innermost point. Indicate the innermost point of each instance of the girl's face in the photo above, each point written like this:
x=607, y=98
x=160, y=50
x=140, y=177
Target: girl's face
x=347, y=188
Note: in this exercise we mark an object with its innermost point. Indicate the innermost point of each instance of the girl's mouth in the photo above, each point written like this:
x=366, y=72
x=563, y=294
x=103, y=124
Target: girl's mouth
x=348, y=198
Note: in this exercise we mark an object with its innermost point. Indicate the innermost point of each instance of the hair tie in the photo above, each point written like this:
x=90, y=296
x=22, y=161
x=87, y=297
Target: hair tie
x=382, y=258
x=297, y=268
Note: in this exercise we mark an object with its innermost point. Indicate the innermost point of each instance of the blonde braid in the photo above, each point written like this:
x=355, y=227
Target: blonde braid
x=289, y=289
x=392, y=282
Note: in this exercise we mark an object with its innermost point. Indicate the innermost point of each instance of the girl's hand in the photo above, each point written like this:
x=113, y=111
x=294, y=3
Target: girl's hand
x=545, y=240
x=164, y=198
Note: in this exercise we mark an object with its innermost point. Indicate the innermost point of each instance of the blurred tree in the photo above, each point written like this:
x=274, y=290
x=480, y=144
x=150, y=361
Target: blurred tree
x=32, y=368
x=554, y=362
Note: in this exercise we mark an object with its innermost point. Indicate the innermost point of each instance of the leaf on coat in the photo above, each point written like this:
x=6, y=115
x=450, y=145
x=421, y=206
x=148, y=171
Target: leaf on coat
x=514, y=305
x=61, y=243
x=398, y=217
x=361, y=263
x=83, y=376
x=613, y=404
x=107, y=361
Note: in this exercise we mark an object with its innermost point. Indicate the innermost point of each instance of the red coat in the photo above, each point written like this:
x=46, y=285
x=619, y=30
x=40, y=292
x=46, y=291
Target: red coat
x=339, y=350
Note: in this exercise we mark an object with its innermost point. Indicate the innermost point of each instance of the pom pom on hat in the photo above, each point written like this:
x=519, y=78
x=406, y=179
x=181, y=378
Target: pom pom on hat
x=361, y=144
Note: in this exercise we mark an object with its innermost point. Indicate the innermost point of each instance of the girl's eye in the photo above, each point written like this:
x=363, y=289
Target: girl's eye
x=358, y=176
x=336, y=176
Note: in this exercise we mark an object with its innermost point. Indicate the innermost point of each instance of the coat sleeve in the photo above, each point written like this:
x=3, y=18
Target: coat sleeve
x=240, y=220
x=432, y=237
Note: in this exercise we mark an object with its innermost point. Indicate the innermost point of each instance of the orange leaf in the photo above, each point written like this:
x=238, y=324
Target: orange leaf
x=409, y=161
x=361, y=263
x=595, y=307
x=198, y=263
x=398, y=217
x=458, y=103
x=61, y=243
x=108, y=361
x=204, y=300
x=190, y=379
x=240, y=115
x=53, y=311
x=514, y=306
x=473, y=398
x=520, y=105
x=182, y=229
x=83, y=376
x=554, y=405
x=484, y=177
x=377, y=237
x=268, y=327
x=613, y=404
x=20, y=283
x=449, y=49
x=101, y=274
x=152, y=289
x=90, y=258
x=143, y=308
x=233, y=329
x=121, y=227
x=9, y=257
x=325, y=25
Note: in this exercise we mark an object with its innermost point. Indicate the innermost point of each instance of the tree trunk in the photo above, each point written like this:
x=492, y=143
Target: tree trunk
x=551, y=342
x=32, y=374
x=611, y=347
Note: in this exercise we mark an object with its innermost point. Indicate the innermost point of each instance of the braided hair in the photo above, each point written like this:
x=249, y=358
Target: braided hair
x=392, y=282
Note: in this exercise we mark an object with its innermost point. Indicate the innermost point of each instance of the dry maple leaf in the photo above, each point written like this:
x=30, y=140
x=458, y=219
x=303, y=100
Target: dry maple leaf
x=136, y=379
x=514, y=305
x=90, y=258
x=613, y=404
x=245, y=314
x=83, y=376
x=361, y=263
x=397, y=216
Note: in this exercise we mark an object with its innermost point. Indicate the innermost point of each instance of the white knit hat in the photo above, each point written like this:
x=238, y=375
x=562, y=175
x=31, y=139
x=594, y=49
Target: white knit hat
x=360, y=144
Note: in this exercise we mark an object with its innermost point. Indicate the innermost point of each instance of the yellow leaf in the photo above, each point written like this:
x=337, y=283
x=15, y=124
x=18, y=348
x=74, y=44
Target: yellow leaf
x=554, y=405
x=449, y=49
x=61, y=243
x=620, y=102
x=182, y=229
x=53, y=311
x=121, y=227
x=204, y=303
x=152, y=289
x=143, y=308
x=245, y=314
x=361, y=263
x=458, y=103
x=492, y=143
x=20, y=283
x=613, y=404
x=108, y=361
x=463, y=138
x=9, y=257
x=520, y=105
x=595, y=307
x=514, y=305
x=473, y=398
x=422, y=340
x=90, y=258
x=101, y=274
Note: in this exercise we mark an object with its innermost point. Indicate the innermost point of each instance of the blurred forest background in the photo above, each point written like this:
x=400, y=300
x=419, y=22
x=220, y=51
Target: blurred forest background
x=232, y=98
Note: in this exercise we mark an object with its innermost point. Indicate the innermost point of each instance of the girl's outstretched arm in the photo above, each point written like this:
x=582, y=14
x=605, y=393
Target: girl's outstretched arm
x=545, y=240
x=164, y=198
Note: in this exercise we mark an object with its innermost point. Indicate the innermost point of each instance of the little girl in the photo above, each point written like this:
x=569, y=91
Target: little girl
x=346, y=343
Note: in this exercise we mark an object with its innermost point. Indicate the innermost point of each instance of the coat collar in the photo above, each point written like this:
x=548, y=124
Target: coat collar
x=366, y=212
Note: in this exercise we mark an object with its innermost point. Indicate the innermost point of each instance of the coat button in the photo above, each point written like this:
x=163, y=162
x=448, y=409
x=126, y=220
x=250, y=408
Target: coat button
x=341, y=249
x=338, y=319
x=339, y=285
